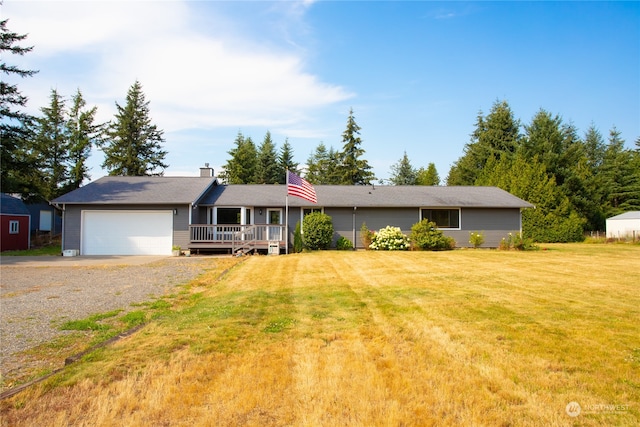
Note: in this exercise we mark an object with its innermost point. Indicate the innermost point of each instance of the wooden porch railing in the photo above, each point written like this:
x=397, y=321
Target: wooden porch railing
x=236, y=236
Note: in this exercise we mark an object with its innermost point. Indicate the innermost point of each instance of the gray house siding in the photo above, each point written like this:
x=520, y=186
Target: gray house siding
x=494, y=223
x=72, y=221
x=71, y=225
x=375, y=218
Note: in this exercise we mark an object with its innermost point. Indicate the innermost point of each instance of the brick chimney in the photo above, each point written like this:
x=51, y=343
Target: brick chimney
x=206, y=171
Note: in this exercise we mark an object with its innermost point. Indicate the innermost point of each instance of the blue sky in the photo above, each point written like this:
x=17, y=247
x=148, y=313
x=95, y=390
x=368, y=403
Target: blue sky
x=416, y=73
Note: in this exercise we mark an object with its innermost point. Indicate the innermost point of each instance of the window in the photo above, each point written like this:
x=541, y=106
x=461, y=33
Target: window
x=14, y=227
x=444, y=218
x=307, y=211
x=228, y=216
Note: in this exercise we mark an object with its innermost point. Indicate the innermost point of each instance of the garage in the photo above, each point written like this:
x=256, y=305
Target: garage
x=132, y=232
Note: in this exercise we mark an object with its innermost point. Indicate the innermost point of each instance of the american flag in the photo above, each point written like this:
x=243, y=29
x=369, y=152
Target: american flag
x=299, y=187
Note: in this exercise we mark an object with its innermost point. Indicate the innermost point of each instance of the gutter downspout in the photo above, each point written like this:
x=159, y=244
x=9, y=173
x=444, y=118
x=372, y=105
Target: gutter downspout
x=354, y=227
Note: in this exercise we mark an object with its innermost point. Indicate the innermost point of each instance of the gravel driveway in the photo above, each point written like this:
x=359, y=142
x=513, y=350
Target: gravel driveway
x=37, y=297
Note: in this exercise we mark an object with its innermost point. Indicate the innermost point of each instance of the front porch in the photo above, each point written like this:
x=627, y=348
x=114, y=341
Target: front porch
x=237, y=238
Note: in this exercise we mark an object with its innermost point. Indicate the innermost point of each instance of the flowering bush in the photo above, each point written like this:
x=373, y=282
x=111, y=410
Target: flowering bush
x=389, y=239
x=476, y=239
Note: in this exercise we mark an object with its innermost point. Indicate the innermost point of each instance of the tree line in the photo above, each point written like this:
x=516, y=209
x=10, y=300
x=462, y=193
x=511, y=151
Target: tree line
x=46, y=156
x=574, y=182
x=249, y=164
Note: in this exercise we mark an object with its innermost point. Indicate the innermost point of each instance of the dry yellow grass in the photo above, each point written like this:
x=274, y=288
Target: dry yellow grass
x=332, y=338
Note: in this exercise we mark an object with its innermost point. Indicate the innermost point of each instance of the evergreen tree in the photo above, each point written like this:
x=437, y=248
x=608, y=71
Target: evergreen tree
x=134, y=145
x=621, y=176
x=316, y=165
x=496, y=135
x=323, y=166
x=51, y=149
x=285, y=161
x=241, y=167
x=354, y=169
x=267, y=169
x=83, y=134
x=553, y=219
x=566, y=159
x=402, y=173
x=428, y=176
x=14, y=161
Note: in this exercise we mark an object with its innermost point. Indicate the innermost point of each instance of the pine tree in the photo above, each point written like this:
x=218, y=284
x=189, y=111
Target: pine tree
x=496, y=135
x=83, y=134
x=14, y=161
x=241, y=167
x=402, y=173
x=621, y=177
x=316, y=165
x=134, y=145
x=51, y=148
x=354, y=169
x=428, y=176
x=267, y=169
x=285, y=161
x=323, y=166
x=553, y=219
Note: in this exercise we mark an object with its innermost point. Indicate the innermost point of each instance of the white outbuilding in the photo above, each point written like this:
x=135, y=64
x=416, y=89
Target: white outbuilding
x=624, y=226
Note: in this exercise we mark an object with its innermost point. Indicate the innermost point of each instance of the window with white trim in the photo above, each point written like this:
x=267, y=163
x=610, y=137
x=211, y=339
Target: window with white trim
x=305, y=212
x=443, y=218
x=14, y=227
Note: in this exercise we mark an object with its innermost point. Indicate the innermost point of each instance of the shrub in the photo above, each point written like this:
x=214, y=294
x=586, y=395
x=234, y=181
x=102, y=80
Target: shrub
x=425, y=236
x=318, y=231
x=298, y=244
x=390, y=239
x=366, y=236
x=476, y=239
x=517, y=242
x=344, y=244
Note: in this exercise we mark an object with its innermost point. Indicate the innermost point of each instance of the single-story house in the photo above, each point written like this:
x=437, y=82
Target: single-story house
x=149, y=215
x=624, y=226
x=15, y=224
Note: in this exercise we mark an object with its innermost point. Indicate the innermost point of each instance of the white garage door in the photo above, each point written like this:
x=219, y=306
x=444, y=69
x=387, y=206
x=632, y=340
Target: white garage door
x=127, y=232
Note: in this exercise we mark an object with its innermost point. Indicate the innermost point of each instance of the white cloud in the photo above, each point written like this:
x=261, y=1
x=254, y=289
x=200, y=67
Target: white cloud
x=193, y=78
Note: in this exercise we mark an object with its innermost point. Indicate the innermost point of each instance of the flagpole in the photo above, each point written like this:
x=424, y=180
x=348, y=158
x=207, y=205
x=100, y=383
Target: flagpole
x=286, y=215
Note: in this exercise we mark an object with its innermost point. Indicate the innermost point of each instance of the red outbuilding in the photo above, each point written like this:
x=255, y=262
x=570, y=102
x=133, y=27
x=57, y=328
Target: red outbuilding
x=15, y=224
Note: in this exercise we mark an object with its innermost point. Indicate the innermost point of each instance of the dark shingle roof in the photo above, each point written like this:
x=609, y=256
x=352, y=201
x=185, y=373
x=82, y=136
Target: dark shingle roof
x=139, y=190
x=179, y=190
x=367, y=196
x=12, y=205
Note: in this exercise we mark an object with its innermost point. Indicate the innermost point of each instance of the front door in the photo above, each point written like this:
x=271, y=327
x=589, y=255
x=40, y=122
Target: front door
x=274, y=217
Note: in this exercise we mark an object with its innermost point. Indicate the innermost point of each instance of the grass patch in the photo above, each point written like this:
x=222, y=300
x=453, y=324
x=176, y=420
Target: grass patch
x=375, y=338
x=42, y=251
x=91, y=323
